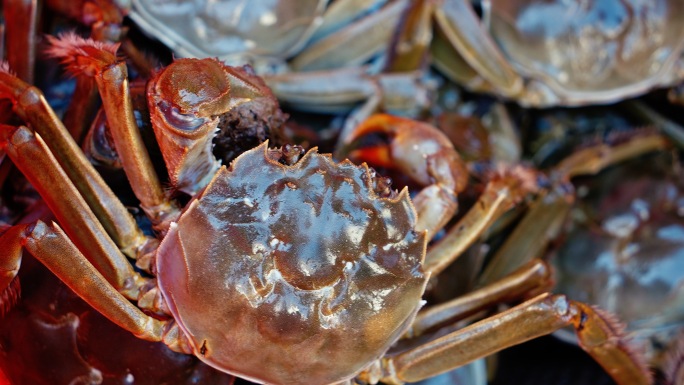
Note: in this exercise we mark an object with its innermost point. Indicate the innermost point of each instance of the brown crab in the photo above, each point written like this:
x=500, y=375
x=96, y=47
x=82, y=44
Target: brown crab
x=282, y=267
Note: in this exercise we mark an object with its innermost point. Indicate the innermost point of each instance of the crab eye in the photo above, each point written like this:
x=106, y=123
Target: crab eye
x=179, y=120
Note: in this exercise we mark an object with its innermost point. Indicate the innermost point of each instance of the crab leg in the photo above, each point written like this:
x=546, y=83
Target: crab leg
x=426, y=155
x=82, y=108
x=548, y=212
x=535, y=276
x=409, y=47
x=598, y=334
x=459, y=24
x=530, y=237
x=502, y=193
x=362, y=40
x=671, y=129
x=330, y=91
x=32, y=157
x=594, y=159
x=87, y=57
x=341, y=13
x=21, y=18
x=31, y=106
x=52, y=247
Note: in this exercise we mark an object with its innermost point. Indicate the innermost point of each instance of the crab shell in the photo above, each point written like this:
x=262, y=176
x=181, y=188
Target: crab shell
x=576, y=53
x=293, y=273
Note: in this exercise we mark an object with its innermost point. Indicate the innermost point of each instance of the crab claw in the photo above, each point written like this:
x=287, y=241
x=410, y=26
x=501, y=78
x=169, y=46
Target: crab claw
x=187, y=101
x=421, y=152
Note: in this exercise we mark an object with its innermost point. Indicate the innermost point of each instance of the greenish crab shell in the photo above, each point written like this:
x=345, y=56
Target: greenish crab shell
x=293, y=273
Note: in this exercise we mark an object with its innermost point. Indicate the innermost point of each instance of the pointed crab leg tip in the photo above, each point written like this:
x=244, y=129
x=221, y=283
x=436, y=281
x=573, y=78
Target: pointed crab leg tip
x=405, y=196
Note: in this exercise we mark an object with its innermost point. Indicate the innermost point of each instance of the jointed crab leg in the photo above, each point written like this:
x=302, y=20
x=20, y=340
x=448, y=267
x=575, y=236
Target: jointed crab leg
x=33, y=158
x=530, y=237
x=21, y=17
x=408, y=51
x=30, y=105
x=330, y=90
x=99, y=60
x=502, y=193
x=461, y=27
x=369, y=36
x=53, y=248
x=547, y=214
x=597, y=332
x=534, y=277
x=82, y=108
x=594, y=159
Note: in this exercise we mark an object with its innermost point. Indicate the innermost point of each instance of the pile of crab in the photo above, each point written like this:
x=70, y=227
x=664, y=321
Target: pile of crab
x=192, y=234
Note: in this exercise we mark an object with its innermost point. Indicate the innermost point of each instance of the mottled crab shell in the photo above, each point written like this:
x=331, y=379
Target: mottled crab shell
x=293, y=274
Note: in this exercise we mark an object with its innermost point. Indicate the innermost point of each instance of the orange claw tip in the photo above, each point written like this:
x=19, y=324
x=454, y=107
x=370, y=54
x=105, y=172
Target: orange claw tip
x=378, y=124
x=82, y=56
x=378, y=156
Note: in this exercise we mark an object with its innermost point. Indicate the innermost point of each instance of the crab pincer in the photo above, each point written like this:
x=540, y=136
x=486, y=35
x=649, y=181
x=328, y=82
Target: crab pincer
x=425, y=154
x=187, y=102
x=422, y=153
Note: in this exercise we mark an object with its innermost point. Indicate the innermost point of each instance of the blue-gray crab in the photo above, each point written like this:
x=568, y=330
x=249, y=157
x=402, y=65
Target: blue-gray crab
x=539, y=53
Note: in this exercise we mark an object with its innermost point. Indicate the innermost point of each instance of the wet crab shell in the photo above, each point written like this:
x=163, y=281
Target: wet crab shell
x=293, y=274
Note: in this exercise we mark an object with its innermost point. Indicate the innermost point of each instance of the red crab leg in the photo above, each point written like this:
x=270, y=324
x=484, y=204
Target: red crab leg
x=598, y=333
x=535, y=276
x=21, y=25
x=105, y=19
x=82, y=108
x=53, y=248
x=32, y=157
x=30, y=104
x=88, y=57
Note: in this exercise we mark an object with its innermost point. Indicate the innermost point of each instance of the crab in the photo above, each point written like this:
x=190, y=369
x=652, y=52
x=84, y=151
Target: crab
x=605, y=234
x=612, y=240
x=537, y=53
x=318, y=264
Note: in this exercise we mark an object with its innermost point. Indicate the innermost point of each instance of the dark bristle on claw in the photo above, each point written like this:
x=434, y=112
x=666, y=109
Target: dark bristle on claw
x=287, y=154
x=382, y=185
x=10, y=296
